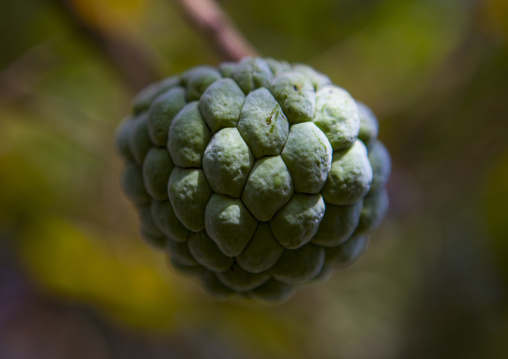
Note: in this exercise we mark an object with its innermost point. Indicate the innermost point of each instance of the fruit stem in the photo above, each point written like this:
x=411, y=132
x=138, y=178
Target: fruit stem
x=216, y=26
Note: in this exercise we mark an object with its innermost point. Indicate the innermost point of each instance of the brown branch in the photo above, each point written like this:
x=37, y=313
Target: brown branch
x=131, y=60
x=216, y=26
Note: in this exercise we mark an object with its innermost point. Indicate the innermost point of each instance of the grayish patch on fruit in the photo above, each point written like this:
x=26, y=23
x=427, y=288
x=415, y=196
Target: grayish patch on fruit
x=252, y=73
x=337, y=116
x=262, y=124
x=296, y=96
x=318, y=79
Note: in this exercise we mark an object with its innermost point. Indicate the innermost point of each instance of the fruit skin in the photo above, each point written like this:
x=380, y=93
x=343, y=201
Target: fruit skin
x=255, y=177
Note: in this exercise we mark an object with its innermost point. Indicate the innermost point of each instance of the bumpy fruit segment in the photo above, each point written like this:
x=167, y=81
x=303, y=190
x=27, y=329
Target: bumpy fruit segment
x=255, y=177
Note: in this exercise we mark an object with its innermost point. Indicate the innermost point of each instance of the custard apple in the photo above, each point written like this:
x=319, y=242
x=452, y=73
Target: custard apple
x=256, y=177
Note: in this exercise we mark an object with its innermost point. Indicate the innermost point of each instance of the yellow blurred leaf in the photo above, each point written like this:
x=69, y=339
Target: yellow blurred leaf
x=494, y=17
x=113, y=15
x=73, y=262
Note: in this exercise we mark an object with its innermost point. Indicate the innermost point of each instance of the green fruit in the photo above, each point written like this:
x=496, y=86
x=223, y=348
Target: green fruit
x=199, y=80
x=156, y=170
x=139, y=139
x=122, y=140
x=369, y=126
x=268, y=188
x=241, y=280
x=229, y=224
x=308, y=155
x=227, y=162
x=149, y=230
x=337, y=225
x=337, y=116
x=262, y=251
x=374, y=210
x=262, y=124
x=221, y=104
x=133, y=186
x=381, y=164
x=350, y=177
x=298, y=221
x=189, y=193
x=256, y=177
x=299, y=265
x=207, y=253
x=179, y=253
x=161, y=114
x=346, y=253
x=144, y=99
x=252, y=73
x=188, y=137
x=296, y=95
x=166, y=220
x=318, y=79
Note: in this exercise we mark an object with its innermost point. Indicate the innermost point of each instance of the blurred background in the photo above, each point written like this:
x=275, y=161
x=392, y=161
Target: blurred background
x=76, y=280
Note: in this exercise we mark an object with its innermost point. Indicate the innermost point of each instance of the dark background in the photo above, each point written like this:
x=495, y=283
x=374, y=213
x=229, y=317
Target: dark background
x=76, y=281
